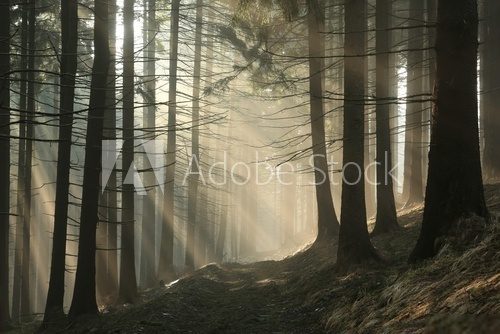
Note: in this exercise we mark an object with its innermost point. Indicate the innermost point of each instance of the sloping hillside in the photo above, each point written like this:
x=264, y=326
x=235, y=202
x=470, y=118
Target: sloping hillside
x=457, y=292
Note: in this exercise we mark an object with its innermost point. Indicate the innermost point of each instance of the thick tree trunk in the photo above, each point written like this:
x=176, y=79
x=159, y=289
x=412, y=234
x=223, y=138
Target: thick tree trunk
x=84, y=294
x=128, y=283
x=490, y=74
x=431, y=8
x=194, y=176
x=328, y=225
x=354, y=242
x=386, y=219
x=166, y=261
x=5, y=163
x=413, y=181
x=69, y=58
x=454, y=185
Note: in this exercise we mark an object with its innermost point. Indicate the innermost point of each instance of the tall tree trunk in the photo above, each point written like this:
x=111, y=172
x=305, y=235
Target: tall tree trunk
x=128, y=282
x=30, y=134
x=5, y=163
x=69, y=58
x=110, y=134
x=386, y=219
x=354, y=242
x=431, y=8
x=413, y=182
x=21, y=167
x=490, y=74
x=209, y=193
x=191, y=249
x=328, y=225
x=166, y=260
x=454, y=185
x=149, y=203
x=84, y=294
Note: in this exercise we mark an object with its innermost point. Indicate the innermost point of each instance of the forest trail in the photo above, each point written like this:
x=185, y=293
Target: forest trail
x=458, y=292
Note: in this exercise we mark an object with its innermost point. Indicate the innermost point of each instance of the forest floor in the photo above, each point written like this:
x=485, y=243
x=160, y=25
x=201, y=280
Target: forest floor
x=457, y=292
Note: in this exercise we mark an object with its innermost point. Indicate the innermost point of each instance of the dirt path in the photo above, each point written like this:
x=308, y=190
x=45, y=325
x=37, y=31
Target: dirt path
x=458, y=292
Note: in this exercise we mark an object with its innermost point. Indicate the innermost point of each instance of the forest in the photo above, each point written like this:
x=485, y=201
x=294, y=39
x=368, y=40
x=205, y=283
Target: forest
x=239, y=166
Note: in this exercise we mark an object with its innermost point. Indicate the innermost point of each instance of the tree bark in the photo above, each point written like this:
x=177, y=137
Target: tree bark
x=328, y=225
x=69, y=42
x=110, y=134
x=5, y=163
x=84, y=294
x=413, y=180
x=454, y=185
x=354, y=242
x=166, y=261
x=128, y=283
x=148, y=244
x=21, y=167
x=386, y=218
x=30, y=136
x=490, y=75
x=191, y=247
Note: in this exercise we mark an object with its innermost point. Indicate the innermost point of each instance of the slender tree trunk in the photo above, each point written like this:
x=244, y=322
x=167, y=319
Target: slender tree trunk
x=289, y=201
x=253, y=214
x=110, y=134
x=386, y=219
x=491, y=89
x=84, y=294
x=30, y=134
x=69, y=41
x=204, y=237
x=101, y=238
x=21, y=168
x=354, y=242
x=209, y=194
x=221, y=237
x=166, y=261
x=5, y=163
x=413, y=181
x=194, y=176
x=328, y=225
x=128, y=283
x=149, y=203
x=454, y=185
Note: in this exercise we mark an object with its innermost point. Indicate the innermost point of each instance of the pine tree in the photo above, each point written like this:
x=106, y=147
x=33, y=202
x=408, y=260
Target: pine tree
x=5, y=163
x=191, y=246
x=84, y=294
x=454, y=184
x=166, y=260
x=128, y=283
x=69, y=58
x=354, y=242
x=386, y=218
x=328, y=225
